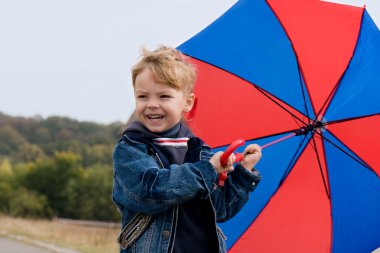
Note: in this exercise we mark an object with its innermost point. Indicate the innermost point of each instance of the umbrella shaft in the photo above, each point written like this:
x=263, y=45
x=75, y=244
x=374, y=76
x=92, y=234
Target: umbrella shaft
x=278, y=140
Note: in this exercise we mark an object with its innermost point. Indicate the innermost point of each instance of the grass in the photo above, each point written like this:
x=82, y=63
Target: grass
x=84, y=239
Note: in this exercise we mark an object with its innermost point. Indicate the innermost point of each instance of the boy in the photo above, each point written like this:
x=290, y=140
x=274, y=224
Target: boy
x=164, y=176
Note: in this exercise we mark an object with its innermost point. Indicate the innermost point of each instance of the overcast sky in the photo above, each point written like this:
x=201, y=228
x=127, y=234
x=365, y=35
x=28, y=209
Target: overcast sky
x=73, y=57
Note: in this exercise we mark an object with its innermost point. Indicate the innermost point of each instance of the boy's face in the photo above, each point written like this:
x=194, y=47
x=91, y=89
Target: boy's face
x=159, y=106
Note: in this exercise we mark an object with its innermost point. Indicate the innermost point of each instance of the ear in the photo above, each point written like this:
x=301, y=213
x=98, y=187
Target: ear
x=189, y=102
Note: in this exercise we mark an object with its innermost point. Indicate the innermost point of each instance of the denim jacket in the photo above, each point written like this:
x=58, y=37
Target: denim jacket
x=148, y=195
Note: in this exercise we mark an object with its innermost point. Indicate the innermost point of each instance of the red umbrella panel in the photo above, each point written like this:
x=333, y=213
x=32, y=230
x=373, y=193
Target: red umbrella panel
x=267, y=69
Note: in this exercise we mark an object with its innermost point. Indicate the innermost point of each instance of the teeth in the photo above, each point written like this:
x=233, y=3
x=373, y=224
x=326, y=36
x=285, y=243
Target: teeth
x=155, y=116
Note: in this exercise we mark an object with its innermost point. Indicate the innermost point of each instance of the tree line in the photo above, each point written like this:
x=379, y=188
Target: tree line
x=57, y=167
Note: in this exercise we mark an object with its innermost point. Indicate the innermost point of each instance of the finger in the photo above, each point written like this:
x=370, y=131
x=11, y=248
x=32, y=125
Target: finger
x=231, y=160
x=230, y=168
x=251, y=149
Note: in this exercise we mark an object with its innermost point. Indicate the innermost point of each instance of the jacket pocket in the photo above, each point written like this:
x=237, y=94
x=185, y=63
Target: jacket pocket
x=133, y=230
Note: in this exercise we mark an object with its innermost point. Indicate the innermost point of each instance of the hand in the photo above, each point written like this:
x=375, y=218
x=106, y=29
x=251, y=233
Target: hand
x=252, y=155
x=215, y=161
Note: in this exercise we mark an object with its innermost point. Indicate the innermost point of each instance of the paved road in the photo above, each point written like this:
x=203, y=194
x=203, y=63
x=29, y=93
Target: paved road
x=13, y=246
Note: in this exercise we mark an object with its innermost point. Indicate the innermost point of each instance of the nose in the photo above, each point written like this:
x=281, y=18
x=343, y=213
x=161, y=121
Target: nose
x=152, y=103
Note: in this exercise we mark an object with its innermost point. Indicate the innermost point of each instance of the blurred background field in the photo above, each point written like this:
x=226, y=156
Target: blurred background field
x=58, y=168
x=78, y=237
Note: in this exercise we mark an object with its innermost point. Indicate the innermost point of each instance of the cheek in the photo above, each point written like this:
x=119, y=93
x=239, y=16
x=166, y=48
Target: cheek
x=139, y=108
x=139, y=104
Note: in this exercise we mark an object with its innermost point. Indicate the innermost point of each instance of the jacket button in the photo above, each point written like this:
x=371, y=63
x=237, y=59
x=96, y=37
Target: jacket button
x=166, y=233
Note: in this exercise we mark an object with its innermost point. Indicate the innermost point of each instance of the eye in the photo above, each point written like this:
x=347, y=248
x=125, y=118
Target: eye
x=165, y=96
x=141, y=96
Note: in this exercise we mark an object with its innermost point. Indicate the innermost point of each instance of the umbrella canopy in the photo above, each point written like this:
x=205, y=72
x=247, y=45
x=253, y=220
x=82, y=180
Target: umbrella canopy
x=270, y=68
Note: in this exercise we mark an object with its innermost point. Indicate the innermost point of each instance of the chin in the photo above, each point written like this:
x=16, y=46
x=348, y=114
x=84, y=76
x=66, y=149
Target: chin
x=155, y=129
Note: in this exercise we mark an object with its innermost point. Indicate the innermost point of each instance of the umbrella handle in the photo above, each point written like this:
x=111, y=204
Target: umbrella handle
x=224, y=158
x=239, y=157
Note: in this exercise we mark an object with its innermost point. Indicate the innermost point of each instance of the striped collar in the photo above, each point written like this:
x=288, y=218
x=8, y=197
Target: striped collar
x=174, y=142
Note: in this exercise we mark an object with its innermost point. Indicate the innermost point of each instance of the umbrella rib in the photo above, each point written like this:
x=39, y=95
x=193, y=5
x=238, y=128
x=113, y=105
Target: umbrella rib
x=353, y=118
x=303, y=89
x=274, y=101
x=345, y=152
x=297, y=123
x=262, y=91
x=333, y=91
x=292, y=161
x=329, y=97
x=320, y=167
x=299, y=67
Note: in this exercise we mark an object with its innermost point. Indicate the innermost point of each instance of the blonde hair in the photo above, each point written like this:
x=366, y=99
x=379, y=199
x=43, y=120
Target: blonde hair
x=169, y=66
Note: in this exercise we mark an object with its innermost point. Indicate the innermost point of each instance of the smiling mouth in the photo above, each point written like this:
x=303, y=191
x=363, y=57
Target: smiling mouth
x=155, y=117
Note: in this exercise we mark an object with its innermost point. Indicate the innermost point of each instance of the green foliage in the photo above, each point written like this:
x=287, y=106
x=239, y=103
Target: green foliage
x=5, y=195
x=96, y=154
x=25, y=203
x=5, y=168
x=51, y=177
x=54, y=134
x=6, y=174
x=11, y=140
x=57, y=167
x=29, y=153
x=91, y=195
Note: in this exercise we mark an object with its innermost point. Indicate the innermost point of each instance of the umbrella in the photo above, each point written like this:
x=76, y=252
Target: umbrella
x=269, y=69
